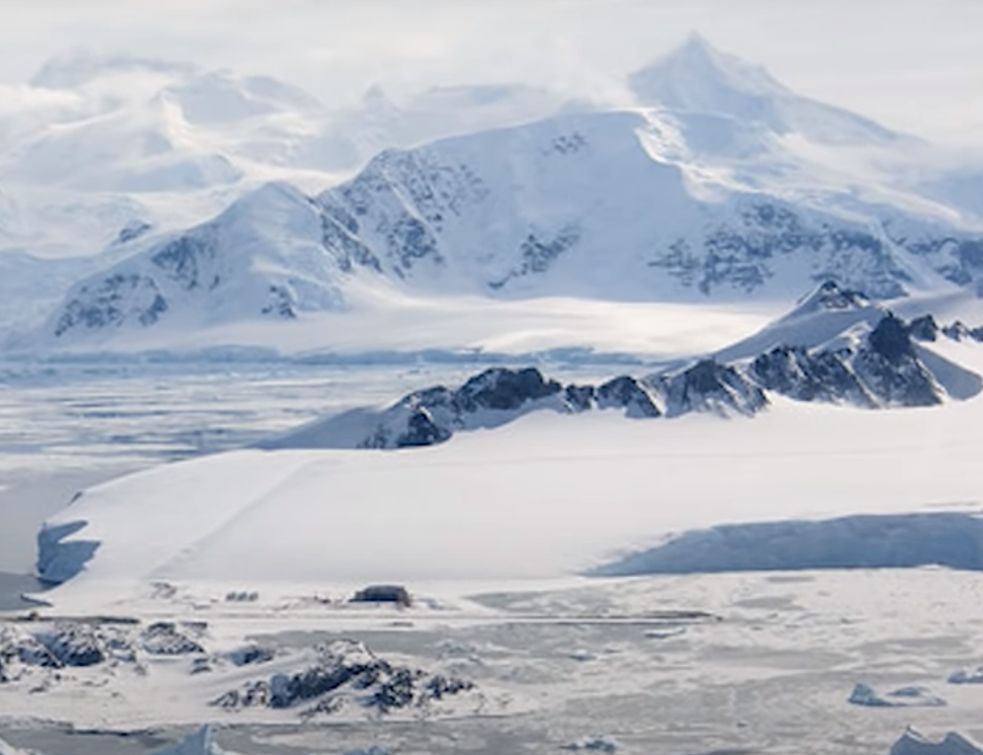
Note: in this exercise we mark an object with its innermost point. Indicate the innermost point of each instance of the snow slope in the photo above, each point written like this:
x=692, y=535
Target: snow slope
x=579, y=209
x=835, y=346
x=169, y=143
x=546, y=495
x=698, y=78
x=722, y=186
x=835, y=354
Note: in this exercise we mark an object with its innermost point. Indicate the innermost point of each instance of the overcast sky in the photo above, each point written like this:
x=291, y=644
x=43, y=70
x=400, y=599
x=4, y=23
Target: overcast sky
x=915, y=65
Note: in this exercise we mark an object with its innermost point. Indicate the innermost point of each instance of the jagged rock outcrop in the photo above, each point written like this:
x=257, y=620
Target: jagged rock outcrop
x=431, y=416
x=346, y=672
x=804, y=376
x=837, y=346
x=890, y=368
x=164, y=638
x=711, y=387
x=637, y=398
x=924, y=328
x=73, y=644
x=883, y=370
x=66, y=644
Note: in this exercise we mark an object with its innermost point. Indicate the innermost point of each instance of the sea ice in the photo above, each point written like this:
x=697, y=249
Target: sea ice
x=905, y=697
x=967, y=676
x=201, y=742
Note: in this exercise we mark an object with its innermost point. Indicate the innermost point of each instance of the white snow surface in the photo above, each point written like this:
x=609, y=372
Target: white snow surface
x=544, y=496
x=94, y=142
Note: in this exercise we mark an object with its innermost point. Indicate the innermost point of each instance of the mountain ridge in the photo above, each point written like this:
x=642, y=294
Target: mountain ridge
x=640, y=204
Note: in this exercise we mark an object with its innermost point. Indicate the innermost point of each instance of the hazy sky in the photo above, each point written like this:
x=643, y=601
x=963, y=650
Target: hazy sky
x=915, y=65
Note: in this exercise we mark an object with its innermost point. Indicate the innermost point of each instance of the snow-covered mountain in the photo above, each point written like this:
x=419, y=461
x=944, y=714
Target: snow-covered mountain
x=835, y=347
x=93, y=145
x=170, y=143
x=700, y=81
x=722, y=186
x=577, y=205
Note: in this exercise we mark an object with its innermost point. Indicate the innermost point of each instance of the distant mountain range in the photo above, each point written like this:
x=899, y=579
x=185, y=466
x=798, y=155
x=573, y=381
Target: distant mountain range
x=835, y=347
x=721, y=186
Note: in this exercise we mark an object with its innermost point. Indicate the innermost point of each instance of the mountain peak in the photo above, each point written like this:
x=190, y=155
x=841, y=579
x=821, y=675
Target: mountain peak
x=697, y=76
x=829, y=295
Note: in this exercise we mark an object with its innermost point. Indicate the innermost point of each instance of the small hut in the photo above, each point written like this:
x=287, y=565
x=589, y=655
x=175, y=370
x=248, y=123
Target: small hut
x=383, y=594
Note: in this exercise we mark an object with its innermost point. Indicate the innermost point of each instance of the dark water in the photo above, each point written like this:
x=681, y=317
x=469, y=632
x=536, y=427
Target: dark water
x=13, y=586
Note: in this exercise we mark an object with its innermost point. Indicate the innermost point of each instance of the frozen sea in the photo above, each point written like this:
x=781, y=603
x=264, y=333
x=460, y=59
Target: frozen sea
x=770, y=672
x=64, y=427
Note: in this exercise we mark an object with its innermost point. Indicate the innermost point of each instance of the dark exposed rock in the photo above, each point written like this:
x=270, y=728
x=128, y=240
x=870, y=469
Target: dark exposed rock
x=579, y=398
x=183, y=259
x=805, y=376
x=628, y=393
x=347, y=670
x=538, y=255
x=73, y=644
x=397, y=691
x=287, y=691
x=250, y=655
x=25, y=649
x=421, y=430
x=902, y=381
x=891, y=370
x=281, y=303
x=830, y=295
x=890, y=339
x=110, y=301
x=709, y=386
x=957, y=331
x=339, y=235
x=884, y=370
x=924, y=328
x=859, y=362
x=133, y=230
x=743, y=254
x=164, y=638
x=504, y=389
x=438, y=686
